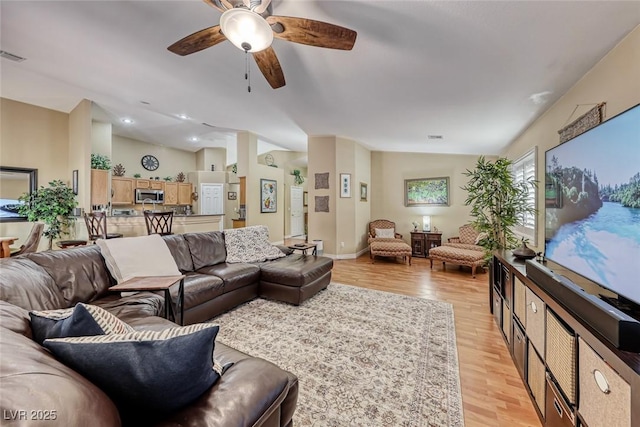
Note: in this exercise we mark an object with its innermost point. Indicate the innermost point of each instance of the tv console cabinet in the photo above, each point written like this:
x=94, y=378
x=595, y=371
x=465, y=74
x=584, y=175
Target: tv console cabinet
x=574, y=376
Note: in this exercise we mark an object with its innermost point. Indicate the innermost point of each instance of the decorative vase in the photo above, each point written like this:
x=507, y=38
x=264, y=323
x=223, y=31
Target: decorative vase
x=524, y=252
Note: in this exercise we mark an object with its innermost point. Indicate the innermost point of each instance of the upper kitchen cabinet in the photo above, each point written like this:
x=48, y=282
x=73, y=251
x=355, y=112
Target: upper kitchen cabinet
x=170, y=193
x=99, y=187
x=184, y=193
x=122, y=190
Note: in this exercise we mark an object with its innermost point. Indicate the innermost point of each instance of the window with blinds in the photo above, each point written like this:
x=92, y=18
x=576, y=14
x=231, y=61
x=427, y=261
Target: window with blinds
x=524, y=170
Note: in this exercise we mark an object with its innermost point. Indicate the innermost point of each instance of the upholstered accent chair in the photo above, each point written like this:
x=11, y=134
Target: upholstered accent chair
x=385, y=241
x=461, y=250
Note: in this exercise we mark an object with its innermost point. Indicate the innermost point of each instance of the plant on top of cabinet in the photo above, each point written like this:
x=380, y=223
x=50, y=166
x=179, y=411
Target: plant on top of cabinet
x=100, y=161
x=119, y=170
x=297, y=177
x=180, y=177
x=137, y=175
x=168, y=178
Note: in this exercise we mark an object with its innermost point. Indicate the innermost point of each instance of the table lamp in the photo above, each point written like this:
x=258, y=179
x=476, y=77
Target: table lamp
x=426, y=223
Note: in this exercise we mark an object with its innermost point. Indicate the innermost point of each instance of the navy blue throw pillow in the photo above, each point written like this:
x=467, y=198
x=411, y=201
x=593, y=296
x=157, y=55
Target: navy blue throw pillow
x=78, y=321
x=153, y=371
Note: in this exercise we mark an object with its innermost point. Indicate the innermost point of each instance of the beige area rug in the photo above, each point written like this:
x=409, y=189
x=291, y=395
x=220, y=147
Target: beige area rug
x=363, y=357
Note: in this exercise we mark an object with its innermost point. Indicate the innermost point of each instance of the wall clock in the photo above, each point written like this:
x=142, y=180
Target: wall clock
x=150, y=162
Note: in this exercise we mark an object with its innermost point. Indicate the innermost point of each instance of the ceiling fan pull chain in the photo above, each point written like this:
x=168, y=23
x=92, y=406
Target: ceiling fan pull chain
x=247, y=70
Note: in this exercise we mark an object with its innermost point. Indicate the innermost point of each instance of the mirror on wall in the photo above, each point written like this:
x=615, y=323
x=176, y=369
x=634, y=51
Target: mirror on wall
x=14, y=182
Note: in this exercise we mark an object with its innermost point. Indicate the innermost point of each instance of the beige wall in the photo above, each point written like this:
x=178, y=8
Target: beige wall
x=322, y=158
x=33, y=137
x=80, y=142
x=362, y=208
x=613, y=80
x=248, y=166
x=129, y=152
x=388, y=172
x=211, y=156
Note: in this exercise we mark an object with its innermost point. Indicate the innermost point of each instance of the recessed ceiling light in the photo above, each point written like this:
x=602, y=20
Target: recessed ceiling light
x=127, y=120
x=183, y=116
x=540, y=97
x=194, y=139
x=435, y=137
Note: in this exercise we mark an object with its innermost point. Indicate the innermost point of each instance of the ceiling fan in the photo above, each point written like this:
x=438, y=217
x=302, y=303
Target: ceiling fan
x=251, y=27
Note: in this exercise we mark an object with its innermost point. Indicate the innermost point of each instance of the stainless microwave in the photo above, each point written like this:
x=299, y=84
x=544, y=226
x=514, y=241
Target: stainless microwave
x=149, y=196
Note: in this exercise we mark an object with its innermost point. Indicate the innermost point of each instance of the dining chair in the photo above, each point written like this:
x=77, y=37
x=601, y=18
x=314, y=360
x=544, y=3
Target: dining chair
x=97, y=226
x=158, y=222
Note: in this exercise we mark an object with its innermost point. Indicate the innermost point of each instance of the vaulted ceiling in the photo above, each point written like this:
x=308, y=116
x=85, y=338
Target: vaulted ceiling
x=477, y=73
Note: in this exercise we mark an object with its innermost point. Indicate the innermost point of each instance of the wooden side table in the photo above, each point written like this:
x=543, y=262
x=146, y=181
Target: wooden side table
x=422, y=241
x=157, y=283
x=304, y=247
x=6, y=243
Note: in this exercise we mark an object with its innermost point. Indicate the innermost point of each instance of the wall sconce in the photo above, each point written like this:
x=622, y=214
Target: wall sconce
x=194, y=196
x=426, y=223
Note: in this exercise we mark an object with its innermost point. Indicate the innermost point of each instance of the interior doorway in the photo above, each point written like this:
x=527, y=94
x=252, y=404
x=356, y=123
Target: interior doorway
x=297, y=214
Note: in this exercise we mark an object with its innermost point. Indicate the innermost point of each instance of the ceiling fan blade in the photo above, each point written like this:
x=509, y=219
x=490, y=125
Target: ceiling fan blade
x=198, y=41
x=270, y=66
x=313, y=33
x=221, y=5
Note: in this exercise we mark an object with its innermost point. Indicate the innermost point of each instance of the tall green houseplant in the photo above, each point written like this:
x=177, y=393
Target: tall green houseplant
x=52, y=205
x=498, y=202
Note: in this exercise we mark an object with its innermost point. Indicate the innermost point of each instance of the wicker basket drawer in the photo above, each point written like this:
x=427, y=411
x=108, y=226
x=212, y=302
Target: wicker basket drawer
x=519, y=348
x=497, y=309
x=561, y=355
x=506, y=321
x=536, y=379
x=520, y=302
x=605, y=398
x=535, y=320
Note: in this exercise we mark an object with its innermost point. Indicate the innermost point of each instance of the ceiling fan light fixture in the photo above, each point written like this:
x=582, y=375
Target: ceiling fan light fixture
x=247, y=30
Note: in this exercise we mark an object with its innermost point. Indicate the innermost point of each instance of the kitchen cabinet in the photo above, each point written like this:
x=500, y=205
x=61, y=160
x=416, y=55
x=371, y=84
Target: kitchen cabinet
x=184, y=193
x=171, y=193
x=150, y=183
x=122, y=191
x=99, y=187
x=142, y=183
x=156, y=185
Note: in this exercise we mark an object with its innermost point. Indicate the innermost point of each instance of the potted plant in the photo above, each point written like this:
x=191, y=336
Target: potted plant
x=497, y=203
x=52, y=205
x=297, y=177
x=100, y=161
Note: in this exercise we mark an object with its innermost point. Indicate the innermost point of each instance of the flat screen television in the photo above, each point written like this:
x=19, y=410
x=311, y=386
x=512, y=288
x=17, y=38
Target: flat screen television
x=592, y=207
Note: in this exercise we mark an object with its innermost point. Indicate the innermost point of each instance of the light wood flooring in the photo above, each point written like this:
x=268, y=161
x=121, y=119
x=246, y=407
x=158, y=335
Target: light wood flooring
x=492, y=390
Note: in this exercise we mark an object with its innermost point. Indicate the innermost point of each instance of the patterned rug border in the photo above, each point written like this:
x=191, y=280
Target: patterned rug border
x=424, y=385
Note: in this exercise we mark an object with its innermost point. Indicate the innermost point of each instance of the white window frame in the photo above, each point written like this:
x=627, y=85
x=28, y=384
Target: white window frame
x=523, y=169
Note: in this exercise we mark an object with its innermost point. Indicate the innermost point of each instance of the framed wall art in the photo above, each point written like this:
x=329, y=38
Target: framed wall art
x=268, y=195
x=345, y=185
x=232, y=195
x=426, y=191
x=14, y=182
x=363, y=192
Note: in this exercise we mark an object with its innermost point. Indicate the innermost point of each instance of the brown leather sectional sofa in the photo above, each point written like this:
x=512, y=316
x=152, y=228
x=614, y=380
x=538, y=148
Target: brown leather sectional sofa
x=253, y=392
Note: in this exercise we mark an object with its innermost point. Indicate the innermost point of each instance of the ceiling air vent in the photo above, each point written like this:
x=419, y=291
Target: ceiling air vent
x=435, y=137
x=11, y=56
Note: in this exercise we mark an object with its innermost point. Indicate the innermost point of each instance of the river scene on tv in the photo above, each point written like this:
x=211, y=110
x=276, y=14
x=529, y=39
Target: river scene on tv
x=592, y=204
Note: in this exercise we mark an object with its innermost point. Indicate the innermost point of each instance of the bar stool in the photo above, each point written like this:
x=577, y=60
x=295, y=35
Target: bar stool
x=158, y=222
x=97, y=226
